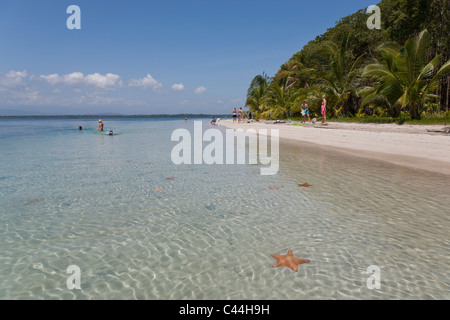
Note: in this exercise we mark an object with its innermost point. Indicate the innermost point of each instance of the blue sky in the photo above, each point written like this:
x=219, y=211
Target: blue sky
x=150, y=57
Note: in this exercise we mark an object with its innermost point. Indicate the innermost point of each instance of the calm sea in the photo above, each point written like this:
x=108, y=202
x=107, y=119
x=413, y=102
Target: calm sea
x=105, y=205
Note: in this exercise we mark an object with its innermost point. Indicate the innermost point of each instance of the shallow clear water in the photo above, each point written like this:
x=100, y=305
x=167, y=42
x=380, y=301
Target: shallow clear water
x=103, y=203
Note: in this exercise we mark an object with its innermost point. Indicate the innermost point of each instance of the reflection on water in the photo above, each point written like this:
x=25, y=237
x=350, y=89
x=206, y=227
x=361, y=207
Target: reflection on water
x=98, y=203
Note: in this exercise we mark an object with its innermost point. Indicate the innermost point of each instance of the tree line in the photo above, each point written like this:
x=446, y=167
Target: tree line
x=404, y=68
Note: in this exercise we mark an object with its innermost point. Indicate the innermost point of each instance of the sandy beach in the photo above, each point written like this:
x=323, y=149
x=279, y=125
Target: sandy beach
x=414, y=146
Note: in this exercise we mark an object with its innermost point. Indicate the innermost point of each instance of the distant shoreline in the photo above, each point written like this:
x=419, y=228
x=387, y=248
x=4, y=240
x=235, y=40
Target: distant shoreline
x=109, y=116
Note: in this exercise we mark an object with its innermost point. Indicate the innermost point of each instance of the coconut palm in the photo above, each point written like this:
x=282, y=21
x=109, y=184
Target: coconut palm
x=256, y=93
x=282, y=100
x=295, y=73
x=341, y=79
x=405, y=77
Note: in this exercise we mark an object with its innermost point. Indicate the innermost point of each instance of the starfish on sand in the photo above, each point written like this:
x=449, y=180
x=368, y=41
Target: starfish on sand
x=288, y=260
x=305, y=185
x=274, y=187
x=170, y=178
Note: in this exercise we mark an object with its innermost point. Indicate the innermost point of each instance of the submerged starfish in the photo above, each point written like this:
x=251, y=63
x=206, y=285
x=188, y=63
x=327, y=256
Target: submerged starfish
x=34, y=201
x=170, y=178
x=147, y=163
x=305, y=185
x=288, y=260
x=274, y=187
x=158, y=190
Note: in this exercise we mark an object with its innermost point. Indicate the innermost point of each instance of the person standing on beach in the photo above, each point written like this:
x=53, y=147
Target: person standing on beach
x=324, y=110
x=100, y=125
x=234, y=115
x=239, y=115
x=305, y=111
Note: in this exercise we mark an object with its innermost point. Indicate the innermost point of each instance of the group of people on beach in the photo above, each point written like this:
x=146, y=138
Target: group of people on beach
x=237, y=114
x=323, y=111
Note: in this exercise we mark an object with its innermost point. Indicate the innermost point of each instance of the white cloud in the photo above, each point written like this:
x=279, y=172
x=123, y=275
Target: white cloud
x=200, y=90
x=103, y=81
x=12, y=78
x=74, y=78
x=146, y=82
x=78, y=78
x=53, y=78
x=178, y=87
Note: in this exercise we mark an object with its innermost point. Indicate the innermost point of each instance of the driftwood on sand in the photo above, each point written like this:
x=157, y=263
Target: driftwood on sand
x=444, y=130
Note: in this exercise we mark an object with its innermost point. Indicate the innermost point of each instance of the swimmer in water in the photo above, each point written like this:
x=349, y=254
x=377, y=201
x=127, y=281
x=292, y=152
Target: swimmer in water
x=100, y=125
x=80, y=128
x=111, y=132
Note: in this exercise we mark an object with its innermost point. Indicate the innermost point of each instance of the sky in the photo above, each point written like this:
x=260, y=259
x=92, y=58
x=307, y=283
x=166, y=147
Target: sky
x=150, y=57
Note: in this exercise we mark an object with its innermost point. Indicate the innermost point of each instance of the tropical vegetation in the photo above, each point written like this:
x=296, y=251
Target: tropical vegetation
x=401, y=72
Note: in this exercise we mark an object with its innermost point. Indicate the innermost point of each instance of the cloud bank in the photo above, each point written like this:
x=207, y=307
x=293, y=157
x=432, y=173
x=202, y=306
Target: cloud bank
x=78, y=78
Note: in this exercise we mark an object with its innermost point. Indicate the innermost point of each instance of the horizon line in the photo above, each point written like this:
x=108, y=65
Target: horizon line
x=106, y=116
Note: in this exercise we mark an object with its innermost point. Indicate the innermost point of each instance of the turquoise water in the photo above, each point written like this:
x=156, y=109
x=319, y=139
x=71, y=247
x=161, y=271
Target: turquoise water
x=70, y=197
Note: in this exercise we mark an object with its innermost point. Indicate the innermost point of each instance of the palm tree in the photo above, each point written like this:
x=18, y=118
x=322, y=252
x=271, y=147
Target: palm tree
x=256, y=93
x=405, y=77
x=340, y=81
x=281, y=99
x=295, y=73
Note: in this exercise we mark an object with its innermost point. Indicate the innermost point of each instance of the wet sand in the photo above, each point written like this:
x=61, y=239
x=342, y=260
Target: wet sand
x=415, y=146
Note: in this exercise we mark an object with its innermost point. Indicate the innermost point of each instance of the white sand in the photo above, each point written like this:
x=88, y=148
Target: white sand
x=407, y=145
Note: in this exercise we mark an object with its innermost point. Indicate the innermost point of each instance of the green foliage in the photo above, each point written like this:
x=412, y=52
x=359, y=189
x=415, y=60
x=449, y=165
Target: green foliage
x=402, y=67
x=404, y=76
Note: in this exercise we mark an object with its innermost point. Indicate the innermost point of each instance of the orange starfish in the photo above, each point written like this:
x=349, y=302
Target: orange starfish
x=288, y=260
x=170, y=178
x=305, y=185
x=274, y=187
x=158, y=190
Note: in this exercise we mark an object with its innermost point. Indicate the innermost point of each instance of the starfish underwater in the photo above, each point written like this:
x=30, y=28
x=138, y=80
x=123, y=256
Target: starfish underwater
x=31, y=202
x=305, y=185
x=170, y=178
x=288, y=260
x=274, y=187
